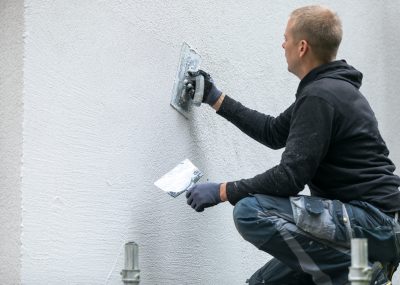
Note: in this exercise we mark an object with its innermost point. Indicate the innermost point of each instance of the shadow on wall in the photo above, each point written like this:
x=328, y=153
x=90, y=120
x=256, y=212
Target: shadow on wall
x=391, y=53
x=391, y=33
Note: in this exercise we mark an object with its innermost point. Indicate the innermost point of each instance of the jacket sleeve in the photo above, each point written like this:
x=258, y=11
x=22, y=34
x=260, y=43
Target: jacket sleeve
x=307, y=144
x=270, y=131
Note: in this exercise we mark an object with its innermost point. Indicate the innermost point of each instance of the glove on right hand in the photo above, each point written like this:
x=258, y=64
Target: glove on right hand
x=204, y=195
x=211, y=94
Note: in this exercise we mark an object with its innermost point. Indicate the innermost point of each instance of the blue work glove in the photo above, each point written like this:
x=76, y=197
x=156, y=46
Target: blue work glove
x=202, y=196
x=211, y=94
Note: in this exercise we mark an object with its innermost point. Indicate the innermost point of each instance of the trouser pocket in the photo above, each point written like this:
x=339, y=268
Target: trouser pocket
x=321, y=218
x=382, y=232
x=381, y=242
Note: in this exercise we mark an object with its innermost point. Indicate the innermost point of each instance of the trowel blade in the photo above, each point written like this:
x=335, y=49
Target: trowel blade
x=179, y=179
x=189, y=60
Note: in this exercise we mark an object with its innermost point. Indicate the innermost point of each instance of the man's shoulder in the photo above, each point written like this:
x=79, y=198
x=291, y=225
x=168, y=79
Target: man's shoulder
x=329, y=89
x=320, y=88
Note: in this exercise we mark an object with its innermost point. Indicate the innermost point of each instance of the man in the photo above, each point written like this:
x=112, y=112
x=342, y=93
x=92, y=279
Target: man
x=333, y=145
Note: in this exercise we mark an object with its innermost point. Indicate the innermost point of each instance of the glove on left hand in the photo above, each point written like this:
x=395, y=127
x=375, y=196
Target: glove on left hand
x=211, y=93
x=202, y=196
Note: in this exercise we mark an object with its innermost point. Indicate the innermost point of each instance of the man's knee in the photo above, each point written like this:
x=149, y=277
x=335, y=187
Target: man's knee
x=246, y=216
x=256, y=219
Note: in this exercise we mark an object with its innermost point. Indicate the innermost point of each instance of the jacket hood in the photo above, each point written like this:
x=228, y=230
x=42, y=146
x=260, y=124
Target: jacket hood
x=337, y=70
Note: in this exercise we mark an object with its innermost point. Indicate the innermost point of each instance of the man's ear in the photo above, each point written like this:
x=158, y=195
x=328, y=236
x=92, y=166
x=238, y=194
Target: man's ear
x=303, y=48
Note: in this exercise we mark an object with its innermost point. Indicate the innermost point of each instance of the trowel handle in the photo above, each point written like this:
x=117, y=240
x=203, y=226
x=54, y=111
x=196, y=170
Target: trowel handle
x=199, y=93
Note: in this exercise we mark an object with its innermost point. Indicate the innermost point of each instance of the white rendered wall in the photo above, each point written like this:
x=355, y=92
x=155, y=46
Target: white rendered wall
x=98, y=130
x=11, y=62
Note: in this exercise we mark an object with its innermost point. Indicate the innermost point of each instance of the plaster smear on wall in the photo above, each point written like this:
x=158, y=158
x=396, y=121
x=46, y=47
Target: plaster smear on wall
x=99, y=130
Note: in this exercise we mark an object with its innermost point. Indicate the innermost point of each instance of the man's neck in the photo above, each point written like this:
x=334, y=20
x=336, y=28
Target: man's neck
x=307, y=67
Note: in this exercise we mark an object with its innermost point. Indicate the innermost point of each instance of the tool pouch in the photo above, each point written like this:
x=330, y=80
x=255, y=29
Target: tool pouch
x=321, y=218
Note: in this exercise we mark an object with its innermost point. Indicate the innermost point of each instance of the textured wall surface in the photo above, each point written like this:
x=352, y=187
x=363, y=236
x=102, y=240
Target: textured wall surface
x=98, y=129
x=11, y=62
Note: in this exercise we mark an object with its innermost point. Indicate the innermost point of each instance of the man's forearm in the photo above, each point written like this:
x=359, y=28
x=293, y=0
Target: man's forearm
x=268, y=130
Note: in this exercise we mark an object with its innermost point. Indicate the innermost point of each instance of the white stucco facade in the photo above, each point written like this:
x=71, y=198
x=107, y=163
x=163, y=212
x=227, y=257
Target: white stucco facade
x=11, y=89
x=86, y=128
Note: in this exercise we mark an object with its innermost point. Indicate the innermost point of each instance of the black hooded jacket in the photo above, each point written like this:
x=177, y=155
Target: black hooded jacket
x=331, y=139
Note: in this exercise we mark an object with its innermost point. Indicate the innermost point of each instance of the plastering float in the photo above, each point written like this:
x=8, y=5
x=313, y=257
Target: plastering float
x=184, y=93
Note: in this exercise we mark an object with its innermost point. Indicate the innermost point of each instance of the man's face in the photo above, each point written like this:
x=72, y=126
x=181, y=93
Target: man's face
x=291, y=49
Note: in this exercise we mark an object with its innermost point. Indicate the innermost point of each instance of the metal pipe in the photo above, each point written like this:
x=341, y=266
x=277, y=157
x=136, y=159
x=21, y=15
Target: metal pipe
x=131, y=273
x=359, y=271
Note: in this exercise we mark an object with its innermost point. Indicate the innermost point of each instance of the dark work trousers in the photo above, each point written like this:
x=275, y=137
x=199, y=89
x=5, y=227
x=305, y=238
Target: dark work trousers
x=309, y=237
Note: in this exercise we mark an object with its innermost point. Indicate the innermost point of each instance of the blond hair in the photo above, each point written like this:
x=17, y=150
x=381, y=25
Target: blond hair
x=320, y=27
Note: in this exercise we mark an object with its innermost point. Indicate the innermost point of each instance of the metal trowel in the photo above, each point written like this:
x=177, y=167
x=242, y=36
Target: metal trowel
x=182, y=97
x=179, y=179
